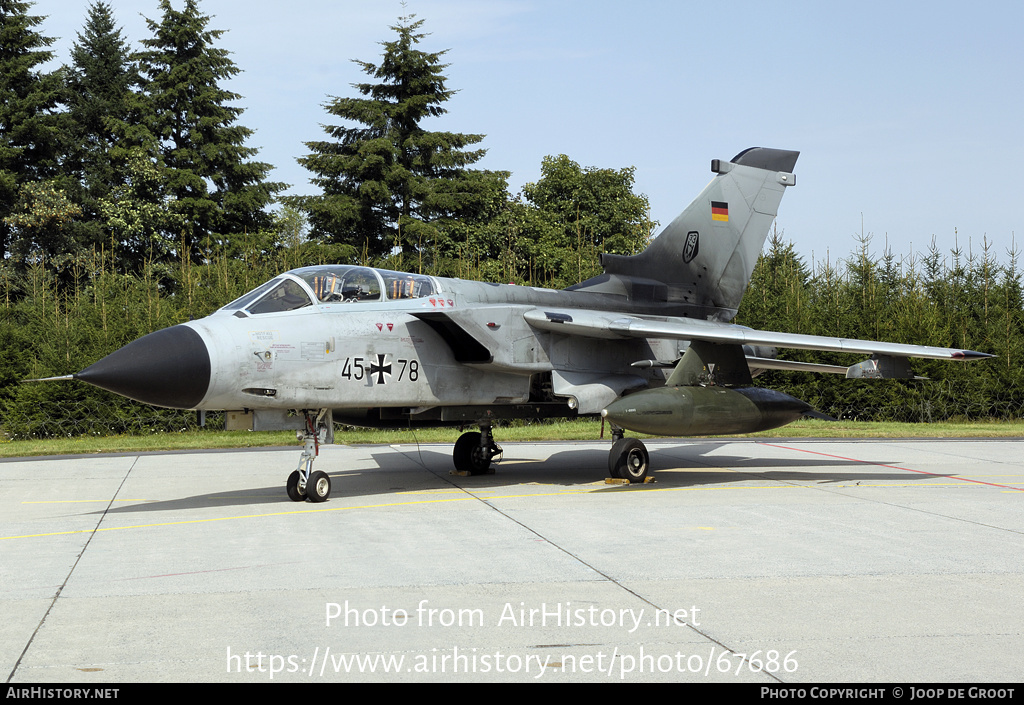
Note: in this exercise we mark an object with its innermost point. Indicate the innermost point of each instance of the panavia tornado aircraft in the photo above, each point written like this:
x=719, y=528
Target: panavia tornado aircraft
x=647, y=344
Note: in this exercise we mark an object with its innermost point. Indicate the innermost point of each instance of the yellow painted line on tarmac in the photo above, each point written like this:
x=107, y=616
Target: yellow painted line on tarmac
x=231, y=518
x=467, y=498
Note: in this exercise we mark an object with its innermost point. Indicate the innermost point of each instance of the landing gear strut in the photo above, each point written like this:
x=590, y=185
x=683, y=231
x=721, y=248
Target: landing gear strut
x=628, y=459
x=474, y=451
x=305, y=483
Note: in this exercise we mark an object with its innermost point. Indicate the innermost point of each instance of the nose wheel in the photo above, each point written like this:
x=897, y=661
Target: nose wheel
x=305, y=483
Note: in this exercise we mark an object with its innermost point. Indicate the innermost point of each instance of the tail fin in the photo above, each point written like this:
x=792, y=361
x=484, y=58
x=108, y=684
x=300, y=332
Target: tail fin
x=702, y=262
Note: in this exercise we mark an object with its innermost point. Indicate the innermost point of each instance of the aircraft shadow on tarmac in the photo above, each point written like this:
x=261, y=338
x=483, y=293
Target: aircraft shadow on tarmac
x=413, y=469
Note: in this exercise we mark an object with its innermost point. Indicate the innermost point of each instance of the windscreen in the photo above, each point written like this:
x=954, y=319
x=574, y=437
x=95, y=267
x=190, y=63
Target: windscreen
x=288, y=295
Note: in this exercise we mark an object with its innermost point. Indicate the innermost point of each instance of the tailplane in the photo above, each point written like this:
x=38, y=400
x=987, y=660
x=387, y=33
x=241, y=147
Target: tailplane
x=702, y=262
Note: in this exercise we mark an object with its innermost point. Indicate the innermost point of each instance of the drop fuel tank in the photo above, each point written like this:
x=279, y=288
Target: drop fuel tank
x=686, y=411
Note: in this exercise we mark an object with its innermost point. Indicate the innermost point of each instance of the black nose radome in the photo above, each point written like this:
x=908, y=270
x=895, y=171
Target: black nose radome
x=170, y=367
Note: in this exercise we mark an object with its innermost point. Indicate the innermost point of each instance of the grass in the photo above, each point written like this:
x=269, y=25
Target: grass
x=562, y=431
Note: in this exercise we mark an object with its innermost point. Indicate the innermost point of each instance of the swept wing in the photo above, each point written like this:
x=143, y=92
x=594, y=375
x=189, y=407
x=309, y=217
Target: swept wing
x=598, y=324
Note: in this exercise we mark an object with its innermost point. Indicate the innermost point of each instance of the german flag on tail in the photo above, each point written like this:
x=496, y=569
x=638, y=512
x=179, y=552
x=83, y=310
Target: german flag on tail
x=720, y=211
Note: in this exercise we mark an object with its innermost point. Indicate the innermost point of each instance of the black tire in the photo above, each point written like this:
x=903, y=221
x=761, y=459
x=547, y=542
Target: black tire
x=468, y=456
x=629, y=460
x=294, y=493
x=318, y=487
x=613, y=458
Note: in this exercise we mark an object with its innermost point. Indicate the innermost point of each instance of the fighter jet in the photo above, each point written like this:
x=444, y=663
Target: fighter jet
x=648, y=344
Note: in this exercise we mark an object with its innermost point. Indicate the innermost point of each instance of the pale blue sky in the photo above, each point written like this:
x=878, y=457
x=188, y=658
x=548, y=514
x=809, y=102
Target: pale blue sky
x=907, y=114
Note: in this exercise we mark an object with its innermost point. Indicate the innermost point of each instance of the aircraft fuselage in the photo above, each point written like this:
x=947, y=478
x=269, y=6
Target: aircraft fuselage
x=460, y=344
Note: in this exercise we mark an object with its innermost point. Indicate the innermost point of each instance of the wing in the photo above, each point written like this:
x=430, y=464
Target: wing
x=608, y=325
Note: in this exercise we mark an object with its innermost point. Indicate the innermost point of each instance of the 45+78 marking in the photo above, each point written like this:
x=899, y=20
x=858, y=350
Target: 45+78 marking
x=356, y=368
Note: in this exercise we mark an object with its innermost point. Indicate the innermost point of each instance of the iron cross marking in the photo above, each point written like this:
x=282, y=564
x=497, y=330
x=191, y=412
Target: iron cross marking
x=380, y=369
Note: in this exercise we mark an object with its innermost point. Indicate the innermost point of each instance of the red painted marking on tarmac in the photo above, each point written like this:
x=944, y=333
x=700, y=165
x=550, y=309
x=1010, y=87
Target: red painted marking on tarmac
x=897, y=467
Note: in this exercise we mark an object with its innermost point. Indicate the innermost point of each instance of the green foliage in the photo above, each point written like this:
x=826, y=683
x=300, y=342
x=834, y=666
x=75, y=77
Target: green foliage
x=581, y=213
x=387, y=183
x=553, y=234
x=39, y=221
x=961, y=301
x=97, y=96
x=139, y=214
x=28, y=100
x=189, y=126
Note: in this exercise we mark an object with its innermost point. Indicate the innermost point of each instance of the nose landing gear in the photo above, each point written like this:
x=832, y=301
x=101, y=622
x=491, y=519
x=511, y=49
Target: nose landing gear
x=305, y=483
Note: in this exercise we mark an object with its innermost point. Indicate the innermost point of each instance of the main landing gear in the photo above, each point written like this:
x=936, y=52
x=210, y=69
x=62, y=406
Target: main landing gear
x=628, y=459
x=305, y=483
x=474, y=451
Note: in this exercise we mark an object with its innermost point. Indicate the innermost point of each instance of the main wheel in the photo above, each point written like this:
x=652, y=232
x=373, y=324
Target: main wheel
x=613, y=458
x=468, y=456
x=294, y=493
x=318, y=487
x=629, y=460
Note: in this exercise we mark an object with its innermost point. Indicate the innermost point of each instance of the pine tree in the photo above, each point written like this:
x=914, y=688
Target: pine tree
x=97, y=93
x=777, y=296
x=387, y=182
x=214, y=184
x=28, y=120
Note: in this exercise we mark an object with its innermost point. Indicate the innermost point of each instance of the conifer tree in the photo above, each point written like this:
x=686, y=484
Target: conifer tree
x=388, y=183
x=28, y=120
x=97, y=93
x=193, y=130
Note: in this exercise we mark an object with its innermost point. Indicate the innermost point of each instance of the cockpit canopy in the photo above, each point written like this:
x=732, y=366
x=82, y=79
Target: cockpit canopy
x=330, y=284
